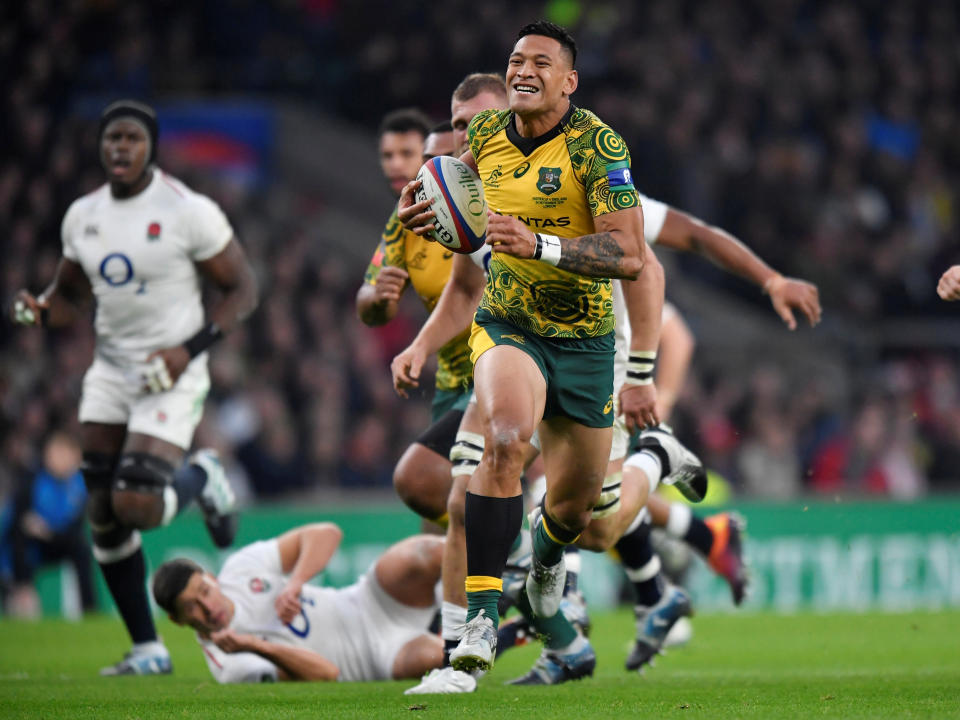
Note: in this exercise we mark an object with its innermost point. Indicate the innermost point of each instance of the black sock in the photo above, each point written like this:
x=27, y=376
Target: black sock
x=127, y=581
x=491, y=525
x=188, y=483
x=641, y=565
x=699, y=535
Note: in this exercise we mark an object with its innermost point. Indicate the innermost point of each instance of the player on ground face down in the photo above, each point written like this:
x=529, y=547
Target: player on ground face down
x=542, y=339
x=139, y=247
x=258, y=620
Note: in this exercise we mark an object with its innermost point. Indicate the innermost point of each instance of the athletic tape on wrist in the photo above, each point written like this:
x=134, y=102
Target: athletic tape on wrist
x=548, y=249
x=640, y=367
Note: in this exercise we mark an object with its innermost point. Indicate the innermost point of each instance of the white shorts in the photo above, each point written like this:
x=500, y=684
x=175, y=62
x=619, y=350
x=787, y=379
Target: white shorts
x=376, y=627
x=114, y=396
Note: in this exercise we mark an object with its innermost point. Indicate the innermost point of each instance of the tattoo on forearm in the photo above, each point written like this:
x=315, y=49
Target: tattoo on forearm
x=597, y=255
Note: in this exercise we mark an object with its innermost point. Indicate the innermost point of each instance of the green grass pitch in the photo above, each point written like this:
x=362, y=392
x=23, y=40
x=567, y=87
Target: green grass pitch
x=737, y=666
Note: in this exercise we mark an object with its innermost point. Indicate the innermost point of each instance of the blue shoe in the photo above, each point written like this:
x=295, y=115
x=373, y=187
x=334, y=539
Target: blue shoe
x=654, y=623
x=553, y=669
x=153, y=662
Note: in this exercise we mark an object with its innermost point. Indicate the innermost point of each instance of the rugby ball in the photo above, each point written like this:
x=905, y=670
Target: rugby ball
x=461, y=209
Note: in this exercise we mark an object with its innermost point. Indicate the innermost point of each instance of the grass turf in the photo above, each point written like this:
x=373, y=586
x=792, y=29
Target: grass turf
x=737, y=666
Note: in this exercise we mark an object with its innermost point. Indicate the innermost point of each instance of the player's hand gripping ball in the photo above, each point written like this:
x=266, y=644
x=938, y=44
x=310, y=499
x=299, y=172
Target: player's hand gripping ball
x=461, y=210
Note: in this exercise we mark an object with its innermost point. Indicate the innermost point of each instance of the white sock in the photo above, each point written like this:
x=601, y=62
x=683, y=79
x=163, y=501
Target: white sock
x=452, y=619
x=646, y=572
x=637, y=521
x=153, y=647
x=170, y=505
x=678, y=522
x=579, y=642
x=647, y=463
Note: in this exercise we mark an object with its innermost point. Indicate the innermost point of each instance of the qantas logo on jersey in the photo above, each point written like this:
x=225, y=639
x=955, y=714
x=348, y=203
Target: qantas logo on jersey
x=544, y=222
x=258, y=585
x=153, y=231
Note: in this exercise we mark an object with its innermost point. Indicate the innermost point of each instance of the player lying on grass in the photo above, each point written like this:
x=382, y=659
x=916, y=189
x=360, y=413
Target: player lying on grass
x=259, y=620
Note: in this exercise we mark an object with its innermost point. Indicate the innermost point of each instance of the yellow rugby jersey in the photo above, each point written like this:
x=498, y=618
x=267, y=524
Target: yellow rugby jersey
x=429, y=265
x=555, y=184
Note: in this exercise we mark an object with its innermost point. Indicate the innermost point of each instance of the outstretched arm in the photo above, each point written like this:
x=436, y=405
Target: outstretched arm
x=684, y=232
x=644, y=299
x=304, y=552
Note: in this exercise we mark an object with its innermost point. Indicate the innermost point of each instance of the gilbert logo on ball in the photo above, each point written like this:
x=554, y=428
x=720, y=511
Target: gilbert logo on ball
x=461, y=221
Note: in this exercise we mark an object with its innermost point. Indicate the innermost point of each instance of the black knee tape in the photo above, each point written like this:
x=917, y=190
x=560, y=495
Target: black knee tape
x=98, y=469
x=142, y=472
x=441, y=435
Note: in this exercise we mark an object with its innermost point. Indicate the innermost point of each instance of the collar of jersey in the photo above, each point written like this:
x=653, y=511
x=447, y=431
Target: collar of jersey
x=527, y=145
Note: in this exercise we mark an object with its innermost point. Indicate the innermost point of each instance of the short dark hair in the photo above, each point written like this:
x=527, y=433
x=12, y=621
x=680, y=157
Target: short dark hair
x=169, y=581
x=405, y=120
x=552, y=30
x=140, y=112
x=443, y=127
x=476, y=83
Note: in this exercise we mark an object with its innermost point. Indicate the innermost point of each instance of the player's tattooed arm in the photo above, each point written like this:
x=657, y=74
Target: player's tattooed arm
x=597, y=255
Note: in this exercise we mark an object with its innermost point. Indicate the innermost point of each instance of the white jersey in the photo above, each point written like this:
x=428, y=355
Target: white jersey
x=139, y=256
x=252, y=578
x=654, y=215
x=359, y=628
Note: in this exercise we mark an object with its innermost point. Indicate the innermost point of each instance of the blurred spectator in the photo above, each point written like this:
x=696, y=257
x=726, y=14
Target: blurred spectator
x=43, y=523
x=821, y=133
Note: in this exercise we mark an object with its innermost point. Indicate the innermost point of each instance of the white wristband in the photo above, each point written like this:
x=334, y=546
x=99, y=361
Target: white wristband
x=640, y=367
x=548, y=249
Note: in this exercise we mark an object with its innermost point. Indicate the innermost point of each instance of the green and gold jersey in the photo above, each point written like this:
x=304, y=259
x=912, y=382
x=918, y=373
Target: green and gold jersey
x=428, y=264
x=556, y=184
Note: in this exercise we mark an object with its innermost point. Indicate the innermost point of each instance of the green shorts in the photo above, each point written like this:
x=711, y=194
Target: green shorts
x=445, y=400
x=579, y=372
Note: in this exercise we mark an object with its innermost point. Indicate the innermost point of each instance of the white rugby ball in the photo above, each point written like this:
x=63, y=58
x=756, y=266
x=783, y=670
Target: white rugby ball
x=461, y=221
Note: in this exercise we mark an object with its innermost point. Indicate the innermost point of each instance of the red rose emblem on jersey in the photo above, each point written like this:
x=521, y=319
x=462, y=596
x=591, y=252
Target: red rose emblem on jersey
x=153, y=231
x=258, y=586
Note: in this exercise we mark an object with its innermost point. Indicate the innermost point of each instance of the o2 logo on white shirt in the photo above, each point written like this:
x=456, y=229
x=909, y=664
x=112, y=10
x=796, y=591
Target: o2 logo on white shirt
x=116, y=269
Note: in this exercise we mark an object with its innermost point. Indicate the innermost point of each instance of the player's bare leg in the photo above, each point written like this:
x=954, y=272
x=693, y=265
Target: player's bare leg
x=511, y=392
x=575, y=458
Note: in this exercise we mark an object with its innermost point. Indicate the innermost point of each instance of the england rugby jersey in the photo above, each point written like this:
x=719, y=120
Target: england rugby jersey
x=252, y=578
x=139, y=255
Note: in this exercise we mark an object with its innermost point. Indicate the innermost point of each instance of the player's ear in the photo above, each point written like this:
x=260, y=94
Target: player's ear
x=571, y=82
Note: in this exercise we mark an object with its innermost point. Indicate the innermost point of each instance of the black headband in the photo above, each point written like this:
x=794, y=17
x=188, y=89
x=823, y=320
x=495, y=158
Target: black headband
x=138, y=111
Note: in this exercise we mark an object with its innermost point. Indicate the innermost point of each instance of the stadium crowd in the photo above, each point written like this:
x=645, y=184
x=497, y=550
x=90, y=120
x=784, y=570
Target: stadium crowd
x=822, y=134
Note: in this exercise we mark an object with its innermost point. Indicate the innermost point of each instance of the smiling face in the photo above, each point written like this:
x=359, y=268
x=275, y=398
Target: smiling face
x=540, y=76
x=463, y=111
x=401, y=154
x=124, y=151
x=202, y=605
